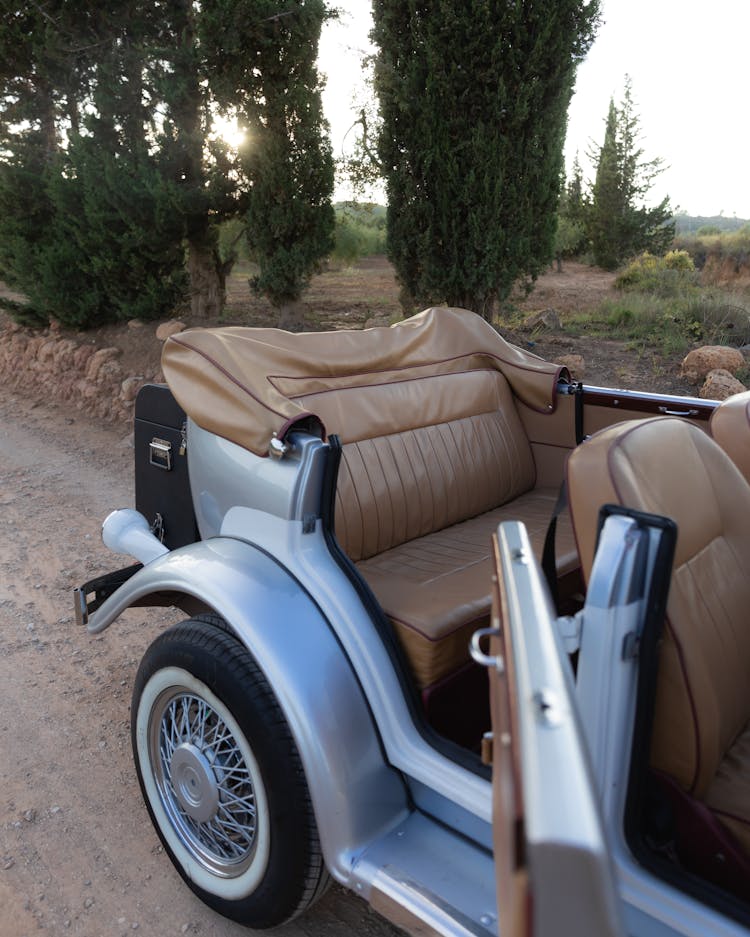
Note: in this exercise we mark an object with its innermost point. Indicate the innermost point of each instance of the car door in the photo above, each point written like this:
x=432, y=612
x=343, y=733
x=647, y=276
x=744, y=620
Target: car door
x=554, y=875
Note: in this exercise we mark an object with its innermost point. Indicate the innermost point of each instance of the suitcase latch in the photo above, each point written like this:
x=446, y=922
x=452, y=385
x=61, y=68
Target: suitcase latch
x=160, y=453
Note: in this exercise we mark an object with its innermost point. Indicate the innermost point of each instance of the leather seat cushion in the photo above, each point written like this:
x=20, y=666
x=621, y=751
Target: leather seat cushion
x=436, y=588
x=729, y=793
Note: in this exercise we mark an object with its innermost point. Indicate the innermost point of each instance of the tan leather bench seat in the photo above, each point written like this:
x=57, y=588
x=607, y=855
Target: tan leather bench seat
x=417, y=507
x=436, y=590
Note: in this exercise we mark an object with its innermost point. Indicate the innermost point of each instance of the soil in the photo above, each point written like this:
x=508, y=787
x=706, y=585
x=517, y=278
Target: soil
x=78, y=854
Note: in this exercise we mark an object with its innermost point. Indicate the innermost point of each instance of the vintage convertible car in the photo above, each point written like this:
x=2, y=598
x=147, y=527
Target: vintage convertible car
x=378, y=684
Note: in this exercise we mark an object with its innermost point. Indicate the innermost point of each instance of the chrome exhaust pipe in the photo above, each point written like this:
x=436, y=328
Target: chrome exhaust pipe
x=127, y=531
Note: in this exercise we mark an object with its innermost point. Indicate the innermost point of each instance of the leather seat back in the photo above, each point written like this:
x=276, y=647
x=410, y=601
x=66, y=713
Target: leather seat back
x=730, y=427
x=666, y=466
x=422, y=454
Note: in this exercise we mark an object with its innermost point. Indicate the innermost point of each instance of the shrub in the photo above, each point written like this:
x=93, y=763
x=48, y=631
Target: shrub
x=670, y=324
x=678, y=260
x=355, y=239
x=720, y=317
x=734, y=246
x=665, y=276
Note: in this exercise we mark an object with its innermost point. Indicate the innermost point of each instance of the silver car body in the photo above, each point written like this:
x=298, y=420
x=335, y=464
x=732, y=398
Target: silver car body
x=401, y=823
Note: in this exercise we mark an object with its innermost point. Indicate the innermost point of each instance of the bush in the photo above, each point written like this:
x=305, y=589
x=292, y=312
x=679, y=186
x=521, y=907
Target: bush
x=678, y=260
x=355, y=239
x=671, y=275
x=670, y=323
x=721, y=318
x=570, y=237
x=734, y=246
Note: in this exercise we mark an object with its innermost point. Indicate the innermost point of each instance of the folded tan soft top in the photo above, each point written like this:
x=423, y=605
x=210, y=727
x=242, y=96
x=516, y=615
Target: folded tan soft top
x=243, y=384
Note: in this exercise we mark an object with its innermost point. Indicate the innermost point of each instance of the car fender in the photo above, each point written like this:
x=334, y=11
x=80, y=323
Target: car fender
x=356, y=795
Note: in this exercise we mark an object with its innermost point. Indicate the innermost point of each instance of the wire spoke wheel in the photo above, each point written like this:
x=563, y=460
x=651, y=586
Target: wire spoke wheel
x=204, y=782
x=222, y=778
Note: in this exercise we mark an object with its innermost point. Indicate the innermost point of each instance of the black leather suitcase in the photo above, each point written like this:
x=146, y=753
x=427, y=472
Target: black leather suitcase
x=162, y=485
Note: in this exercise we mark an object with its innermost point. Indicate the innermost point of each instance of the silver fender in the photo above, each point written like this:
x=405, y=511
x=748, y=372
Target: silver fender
x=356, y=795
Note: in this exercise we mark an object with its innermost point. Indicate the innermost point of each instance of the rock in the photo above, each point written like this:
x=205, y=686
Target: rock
x=65, y=350
x=700, y=361
x=47, y=351
x=719, y=385
x=172, y=327
x=575, y=364
x=97, y=360
x=129, y=388
x=135, y=324
x=81, y=355
x=109, y=371
x=546, y=319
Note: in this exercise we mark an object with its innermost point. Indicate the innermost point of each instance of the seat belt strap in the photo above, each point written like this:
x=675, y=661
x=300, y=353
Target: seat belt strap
x=549, y=559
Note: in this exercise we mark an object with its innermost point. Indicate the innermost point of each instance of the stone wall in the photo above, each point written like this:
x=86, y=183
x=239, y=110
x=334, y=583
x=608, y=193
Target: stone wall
x=52, y=367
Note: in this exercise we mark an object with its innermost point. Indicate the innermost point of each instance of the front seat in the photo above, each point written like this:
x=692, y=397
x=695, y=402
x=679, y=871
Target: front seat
x=701, y=731
x=730, y=427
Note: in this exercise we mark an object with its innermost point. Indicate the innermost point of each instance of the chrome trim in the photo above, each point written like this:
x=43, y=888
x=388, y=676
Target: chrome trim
x=475, y=649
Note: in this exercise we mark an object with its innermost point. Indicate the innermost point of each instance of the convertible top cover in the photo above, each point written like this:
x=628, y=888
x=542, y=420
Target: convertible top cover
x=247, y=385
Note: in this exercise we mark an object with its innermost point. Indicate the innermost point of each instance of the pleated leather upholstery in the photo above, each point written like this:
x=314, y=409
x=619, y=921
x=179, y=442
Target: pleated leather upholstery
x=430, y=466
x=666, y=466
x=400, y=486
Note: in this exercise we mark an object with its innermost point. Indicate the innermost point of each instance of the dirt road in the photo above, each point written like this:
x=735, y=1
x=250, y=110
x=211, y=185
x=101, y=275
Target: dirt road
x=78, y=854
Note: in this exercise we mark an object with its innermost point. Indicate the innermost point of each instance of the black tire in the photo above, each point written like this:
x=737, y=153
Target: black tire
x=222, y=778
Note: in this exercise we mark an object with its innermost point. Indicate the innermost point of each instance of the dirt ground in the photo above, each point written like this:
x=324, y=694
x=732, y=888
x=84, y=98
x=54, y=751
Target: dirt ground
x=78, y=854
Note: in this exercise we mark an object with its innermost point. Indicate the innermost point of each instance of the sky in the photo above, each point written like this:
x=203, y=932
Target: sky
x=688, y=63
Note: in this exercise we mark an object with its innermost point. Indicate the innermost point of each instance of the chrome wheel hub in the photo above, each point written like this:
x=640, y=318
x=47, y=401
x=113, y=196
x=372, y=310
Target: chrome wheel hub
x=194, y=782
x=203, y=781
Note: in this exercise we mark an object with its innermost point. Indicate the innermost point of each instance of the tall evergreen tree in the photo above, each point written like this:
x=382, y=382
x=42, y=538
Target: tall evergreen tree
x=207, y=185
x=275, y=91
x=620, y=223
x=474, y=101
x=575, y=193
x=106, y=115
x=100, y=243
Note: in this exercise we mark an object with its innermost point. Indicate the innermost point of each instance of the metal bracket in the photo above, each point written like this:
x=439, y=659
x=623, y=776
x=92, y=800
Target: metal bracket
x=486, y=660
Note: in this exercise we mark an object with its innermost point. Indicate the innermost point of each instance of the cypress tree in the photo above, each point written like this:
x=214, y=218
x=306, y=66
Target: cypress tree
x=105, y=128
x=262, y=56
x=93, y=238
x=207, y=186
x=474, y=100
x=620, y=223
x=608, y=204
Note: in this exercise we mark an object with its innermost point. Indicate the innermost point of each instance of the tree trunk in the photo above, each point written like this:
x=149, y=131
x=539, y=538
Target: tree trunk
x=292, y=316
x=207, y=281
